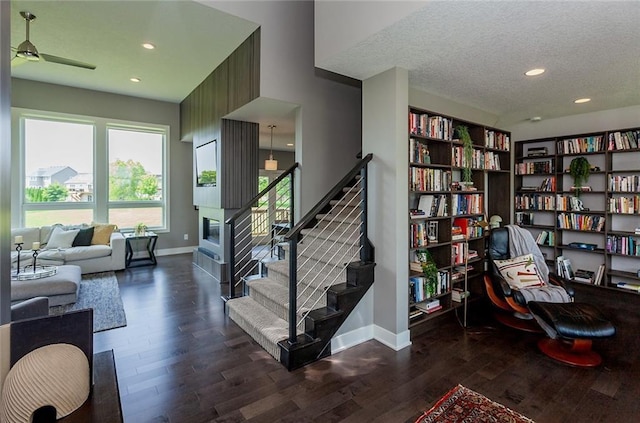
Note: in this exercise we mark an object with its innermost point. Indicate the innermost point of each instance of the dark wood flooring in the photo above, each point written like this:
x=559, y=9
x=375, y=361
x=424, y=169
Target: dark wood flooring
x=180, y=359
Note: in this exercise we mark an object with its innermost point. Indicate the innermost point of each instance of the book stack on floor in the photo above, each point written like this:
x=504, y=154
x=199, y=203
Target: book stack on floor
x=429, y=306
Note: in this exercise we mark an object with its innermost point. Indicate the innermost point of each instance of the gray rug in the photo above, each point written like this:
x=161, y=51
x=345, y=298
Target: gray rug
x=100, y=292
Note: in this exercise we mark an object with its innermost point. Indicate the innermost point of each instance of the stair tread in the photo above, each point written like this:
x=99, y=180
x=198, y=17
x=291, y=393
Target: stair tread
x=333, y=275
x=279, y=294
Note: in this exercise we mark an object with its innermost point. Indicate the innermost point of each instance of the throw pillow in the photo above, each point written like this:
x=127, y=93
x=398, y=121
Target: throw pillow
x=102, y=234
x=520, y=272
x=84, y=237
x=60, y=238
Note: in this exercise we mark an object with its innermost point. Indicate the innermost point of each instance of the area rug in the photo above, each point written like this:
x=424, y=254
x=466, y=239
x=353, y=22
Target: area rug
x=462, y=405
x=100, y=292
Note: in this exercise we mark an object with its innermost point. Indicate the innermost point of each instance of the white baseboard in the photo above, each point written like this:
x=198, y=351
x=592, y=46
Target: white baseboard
x=394, y=341
x=360, y=335
x=173, y=251
x=351, y=339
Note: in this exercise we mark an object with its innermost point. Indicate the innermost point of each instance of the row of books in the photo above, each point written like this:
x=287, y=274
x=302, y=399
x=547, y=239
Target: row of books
x=548, y=185
x=524, y=218
x=534, y=168
x=458, y=159
x=625, y=205
x=469, y=227
x=590, y=144
x=629, y=183
x=546, y=238
x=430, y=126
x=497, y=140
x=423, y=234
x=564, y=270
x=467, y=204
x=624, y=140
x=581, y=222
x=431, y=206
x=428, y=179
x=535, y=202
x=421, y=289
x=458, y=251
x=627, y=245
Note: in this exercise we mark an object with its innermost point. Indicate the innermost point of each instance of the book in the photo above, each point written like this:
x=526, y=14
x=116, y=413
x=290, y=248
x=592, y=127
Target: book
x=428, y=306
x=585, y=276
x=599, y=275
x=425, y=204
x=568, y=271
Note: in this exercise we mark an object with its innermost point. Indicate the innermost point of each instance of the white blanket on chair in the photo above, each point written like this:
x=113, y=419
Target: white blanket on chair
x=521, y=242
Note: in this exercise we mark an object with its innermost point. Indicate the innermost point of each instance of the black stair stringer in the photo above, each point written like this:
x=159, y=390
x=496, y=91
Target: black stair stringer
x=321, y=324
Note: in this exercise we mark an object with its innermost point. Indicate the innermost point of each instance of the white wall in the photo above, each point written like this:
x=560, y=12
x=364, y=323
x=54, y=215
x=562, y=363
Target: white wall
x=61, y=99
x=627, y=117
x=328, y=134
x=340, y=25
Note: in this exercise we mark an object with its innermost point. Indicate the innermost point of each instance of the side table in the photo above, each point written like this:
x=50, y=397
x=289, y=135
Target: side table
x=150, y=238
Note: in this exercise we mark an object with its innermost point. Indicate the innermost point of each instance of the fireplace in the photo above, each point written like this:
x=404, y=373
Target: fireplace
x=211, y=230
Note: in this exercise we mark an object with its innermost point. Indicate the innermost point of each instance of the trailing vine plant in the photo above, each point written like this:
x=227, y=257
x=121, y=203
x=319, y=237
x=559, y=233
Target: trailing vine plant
x=579, y=169
x=467, y=151
x=429, y=270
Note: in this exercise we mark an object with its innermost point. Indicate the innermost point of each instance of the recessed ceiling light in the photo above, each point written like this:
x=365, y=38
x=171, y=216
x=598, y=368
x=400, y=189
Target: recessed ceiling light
x=148, y=46
x=134, y=79
x=534, y=72
x=582, y=100
x=289, y=145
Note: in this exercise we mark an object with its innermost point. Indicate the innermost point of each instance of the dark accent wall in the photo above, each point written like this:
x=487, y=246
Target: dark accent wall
x=240, y=158
x=234, y=83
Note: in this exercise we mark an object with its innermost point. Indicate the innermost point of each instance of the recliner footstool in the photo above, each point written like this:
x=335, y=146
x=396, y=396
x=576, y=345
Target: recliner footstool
x=571, y=327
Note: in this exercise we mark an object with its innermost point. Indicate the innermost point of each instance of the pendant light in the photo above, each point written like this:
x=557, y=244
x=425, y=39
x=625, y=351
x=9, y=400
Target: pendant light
x=271, y=164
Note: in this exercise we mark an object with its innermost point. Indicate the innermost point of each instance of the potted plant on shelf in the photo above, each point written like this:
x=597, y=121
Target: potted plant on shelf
x=579, y=170
x=429, y=270
x=467, y=155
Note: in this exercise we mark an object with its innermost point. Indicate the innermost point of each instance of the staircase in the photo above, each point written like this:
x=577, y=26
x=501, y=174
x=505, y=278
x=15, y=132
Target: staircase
x=324, y=263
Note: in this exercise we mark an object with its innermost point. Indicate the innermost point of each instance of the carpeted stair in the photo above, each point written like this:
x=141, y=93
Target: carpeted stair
x=331, y=281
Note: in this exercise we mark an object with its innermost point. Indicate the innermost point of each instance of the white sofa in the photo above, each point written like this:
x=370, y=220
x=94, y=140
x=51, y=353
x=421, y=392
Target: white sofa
x=91, y=258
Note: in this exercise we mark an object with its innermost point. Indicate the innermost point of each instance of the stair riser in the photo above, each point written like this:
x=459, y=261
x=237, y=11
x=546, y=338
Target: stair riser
x=280, y=306
x=246, y=325
x=328, y=275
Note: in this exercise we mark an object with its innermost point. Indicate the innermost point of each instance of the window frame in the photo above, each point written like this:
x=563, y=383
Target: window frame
x=100, y=203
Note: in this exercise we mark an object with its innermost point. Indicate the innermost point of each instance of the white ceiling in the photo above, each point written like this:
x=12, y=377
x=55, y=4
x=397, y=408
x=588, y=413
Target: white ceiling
x=476, y=52
x=470, y=52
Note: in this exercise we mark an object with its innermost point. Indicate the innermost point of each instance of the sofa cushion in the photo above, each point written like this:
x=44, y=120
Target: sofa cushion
x=86, y=252
x=84, y=237
x=61, y=239
x=102, y=234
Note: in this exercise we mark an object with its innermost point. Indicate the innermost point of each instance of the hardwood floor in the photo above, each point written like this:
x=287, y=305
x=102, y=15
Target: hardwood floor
x=180, y=359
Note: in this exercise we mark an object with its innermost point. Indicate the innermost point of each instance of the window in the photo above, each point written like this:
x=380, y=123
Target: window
x=135, y=177
x=78, y=169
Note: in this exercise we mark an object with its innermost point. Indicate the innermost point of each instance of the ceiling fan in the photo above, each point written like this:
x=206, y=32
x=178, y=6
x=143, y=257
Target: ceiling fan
x=27, y=52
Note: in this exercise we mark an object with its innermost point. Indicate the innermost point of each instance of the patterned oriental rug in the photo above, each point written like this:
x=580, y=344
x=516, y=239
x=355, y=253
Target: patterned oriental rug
x=100, y=292
x=462, y=405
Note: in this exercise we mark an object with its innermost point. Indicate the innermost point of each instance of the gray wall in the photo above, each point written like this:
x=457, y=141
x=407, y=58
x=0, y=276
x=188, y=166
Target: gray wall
x=183, y=219
x=328, y=121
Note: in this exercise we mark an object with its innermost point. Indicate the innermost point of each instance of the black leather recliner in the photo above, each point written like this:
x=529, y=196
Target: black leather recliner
x=511, y=305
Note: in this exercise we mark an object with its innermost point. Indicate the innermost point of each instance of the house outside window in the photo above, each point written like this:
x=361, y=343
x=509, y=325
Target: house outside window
x=77, y=169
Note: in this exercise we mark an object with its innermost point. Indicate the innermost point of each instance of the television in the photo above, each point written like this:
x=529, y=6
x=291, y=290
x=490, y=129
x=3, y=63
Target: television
x=207, y=164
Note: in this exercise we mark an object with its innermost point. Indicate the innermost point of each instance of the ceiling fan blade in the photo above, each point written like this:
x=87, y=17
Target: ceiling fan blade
x=15, y=61
x=68, y=62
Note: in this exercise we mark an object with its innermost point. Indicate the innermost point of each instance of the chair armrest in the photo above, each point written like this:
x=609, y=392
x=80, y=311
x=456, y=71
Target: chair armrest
x=509, y=292
x=28, y=309
x=556, y=280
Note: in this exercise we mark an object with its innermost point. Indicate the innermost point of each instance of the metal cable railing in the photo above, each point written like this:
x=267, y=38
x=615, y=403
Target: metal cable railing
x=271, y=208
x=342, y=249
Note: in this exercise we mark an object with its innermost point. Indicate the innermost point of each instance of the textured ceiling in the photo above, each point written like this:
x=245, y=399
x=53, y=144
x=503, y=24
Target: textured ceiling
x=476, y=53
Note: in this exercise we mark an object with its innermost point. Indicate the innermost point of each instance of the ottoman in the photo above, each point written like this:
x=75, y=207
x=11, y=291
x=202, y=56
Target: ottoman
x=572, y=328
x=61, y=288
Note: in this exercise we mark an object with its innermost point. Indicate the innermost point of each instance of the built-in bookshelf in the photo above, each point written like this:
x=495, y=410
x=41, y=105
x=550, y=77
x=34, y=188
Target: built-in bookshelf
x=448, y=219
x=595, y=224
